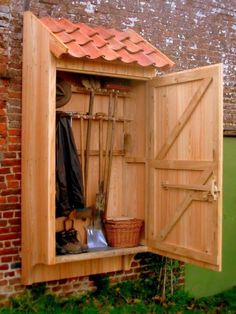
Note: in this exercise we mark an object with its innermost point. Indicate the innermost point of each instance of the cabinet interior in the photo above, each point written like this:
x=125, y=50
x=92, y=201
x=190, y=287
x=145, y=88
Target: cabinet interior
x=126, y=191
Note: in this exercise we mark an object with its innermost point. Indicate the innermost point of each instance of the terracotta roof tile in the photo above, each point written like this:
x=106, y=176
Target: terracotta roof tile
x=96, y=42
x=80, y=37
x=116, y=44
x=65, y=37
x=68, y=26
x=52, y=24
x=87, y=29
x=99, y=41
x=131, y=47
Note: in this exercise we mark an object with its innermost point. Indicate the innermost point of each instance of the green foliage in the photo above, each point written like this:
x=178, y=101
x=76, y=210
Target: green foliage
x=144, y=296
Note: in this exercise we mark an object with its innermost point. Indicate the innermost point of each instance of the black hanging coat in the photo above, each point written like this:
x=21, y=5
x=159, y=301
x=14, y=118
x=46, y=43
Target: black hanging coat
x=69, y=184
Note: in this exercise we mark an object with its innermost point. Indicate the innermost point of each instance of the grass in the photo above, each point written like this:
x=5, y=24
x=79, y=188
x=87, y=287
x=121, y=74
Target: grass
x=127, y=297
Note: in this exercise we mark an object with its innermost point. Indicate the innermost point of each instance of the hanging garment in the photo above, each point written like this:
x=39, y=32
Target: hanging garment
x=69, y=183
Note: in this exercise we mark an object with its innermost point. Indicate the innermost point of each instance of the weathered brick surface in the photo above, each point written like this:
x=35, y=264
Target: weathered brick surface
x=192, y=33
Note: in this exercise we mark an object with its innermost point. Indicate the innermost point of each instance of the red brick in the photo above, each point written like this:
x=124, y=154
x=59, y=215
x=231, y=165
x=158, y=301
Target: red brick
x=14, y=140
x=13, y=184
x=8, y=214
x=2, y=112
x=10, y=192
x=18, y=176
x=16, y=169
x=9, y=155
x=16, y=228
x=4, y=267
x=7, y=244
x=5, y=170
x=14, y=281
x=9, y=274
x=9, y=206
x=4, y=230
x=12, y=199
x=3, y=283
x=3, y=128
x=9, y=236
x=3, y=223
x=11, y=162
x=3, y=199
x=14, y=147
x=15, y=132
x=2, y=143
x=17, y=213
x=14, y=221
x=17, y=242
x=3, y=119
x=14, y=95
x=6, y=259
x=2, y=186
x=10, y=177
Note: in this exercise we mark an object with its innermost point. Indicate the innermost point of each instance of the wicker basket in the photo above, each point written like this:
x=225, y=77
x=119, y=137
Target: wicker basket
x=124, y=232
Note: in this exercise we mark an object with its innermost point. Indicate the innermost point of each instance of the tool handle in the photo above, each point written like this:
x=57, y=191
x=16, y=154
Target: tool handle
x=82, y=147
x=111, y=144
x=88, y=141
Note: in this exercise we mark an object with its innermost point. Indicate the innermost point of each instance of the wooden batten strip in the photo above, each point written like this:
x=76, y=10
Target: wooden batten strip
x=186, y=76
x=193, y=187
x=184, y=118
x=205, y=175
x=101, y=68
x=182, y=251
x=135, y=160
x=182, y=164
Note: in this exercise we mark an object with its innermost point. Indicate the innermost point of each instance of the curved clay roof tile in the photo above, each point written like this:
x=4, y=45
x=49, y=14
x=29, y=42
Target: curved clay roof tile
x=69, y=26
x=97, y=42
x=52, y=24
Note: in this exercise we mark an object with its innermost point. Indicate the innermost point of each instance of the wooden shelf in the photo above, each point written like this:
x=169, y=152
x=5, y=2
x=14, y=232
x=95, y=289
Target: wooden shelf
x=101, y=253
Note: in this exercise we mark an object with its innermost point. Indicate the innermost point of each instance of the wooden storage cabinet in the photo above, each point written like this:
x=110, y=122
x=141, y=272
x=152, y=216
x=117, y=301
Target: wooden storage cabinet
x=170, y=175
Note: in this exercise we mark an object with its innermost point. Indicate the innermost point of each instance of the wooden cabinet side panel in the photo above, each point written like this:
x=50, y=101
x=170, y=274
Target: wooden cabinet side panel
x=38, y=146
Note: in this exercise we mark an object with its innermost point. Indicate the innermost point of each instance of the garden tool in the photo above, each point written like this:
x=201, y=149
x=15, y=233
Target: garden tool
x=88, y=142
x=82, y=146
x=110, y=154
x=100, y=197
x=95, y=234
x=108, y=140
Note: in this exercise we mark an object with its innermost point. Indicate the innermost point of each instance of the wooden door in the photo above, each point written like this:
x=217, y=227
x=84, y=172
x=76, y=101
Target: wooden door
x=185, y=166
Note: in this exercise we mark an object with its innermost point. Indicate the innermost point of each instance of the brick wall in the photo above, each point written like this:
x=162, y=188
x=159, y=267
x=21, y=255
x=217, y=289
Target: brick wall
x=192, y=33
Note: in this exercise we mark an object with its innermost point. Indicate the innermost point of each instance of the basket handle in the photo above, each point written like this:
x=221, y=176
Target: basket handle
x=65, y=223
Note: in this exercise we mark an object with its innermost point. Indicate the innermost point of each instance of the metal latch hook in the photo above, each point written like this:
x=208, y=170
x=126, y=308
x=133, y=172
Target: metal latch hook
x=214, y=189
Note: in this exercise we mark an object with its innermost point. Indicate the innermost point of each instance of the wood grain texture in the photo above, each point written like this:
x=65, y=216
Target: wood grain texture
x=177, y=118
x=106, y=68
x=38, y=147
x=186, y=151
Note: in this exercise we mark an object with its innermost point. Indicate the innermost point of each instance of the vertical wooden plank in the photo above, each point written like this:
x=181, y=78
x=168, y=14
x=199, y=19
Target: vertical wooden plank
x=38, y=147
